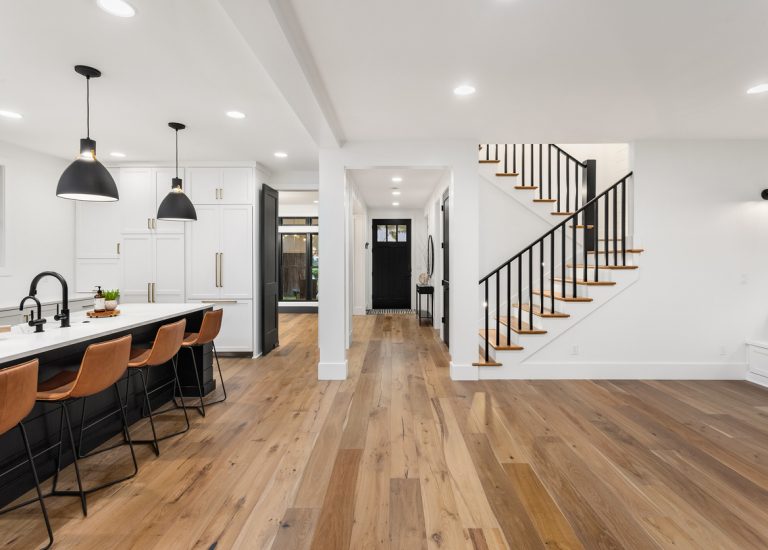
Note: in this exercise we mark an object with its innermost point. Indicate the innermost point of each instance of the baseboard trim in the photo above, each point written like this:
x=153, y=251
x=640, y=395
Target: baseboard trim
x=464, y=372
x=358, y=311
x=616, y=371
x=332, y=371
x=758, y=379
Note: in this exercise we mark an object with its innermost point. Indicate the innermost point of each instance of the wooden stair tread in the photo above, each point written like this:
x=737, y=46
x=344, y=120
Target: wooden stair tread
x=569, y=280
x=628, y=251
x=483, y=363
x=510, y=174
x=525, y=327
x=562, y=298
x=504, y=344
x=581, y=226
x=544, y=200
x=489, y=161
x=592, y=266
x=547, y=313
x=531, y=187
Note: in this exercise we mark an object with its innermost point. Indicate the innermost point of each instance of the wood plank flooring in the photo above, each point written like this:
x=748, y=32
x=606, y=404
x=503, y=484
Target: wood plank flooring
x=399, y=456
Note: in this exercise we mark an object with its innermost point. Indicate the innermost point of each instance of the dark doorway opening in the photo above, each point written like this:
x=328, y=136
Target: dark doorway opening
x=391, y=264
x=270, y=274
x=446, y=272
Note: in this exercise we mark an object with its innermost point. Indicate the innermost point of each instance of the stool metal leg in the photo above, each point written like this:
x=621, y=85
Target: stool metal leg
x=74, y=457
x=126, y=433
x=201, y=407
x=37, y=485
x=221, y=376
x=155, y=444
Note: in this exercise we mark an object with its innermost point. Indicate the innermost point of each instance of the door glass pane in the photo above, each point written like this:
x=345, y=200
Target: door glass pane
x=381, y=233
x=294, y=267
x=314, y=267
x=392, y=233
x=293, y=221
x=402, y=233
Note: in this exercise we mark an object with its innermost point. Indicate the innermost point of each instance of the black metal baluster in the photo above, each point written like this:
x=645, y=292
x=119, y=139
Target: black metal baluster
x=487, y=151
x=530, y=286
x=498, y=328
x=505, y=157
x=577, y=200
x=541, y=273
x=551, y=271
x=533, y=166
x=509, y=301
x=549, y=171
x=567, y=184
x=615, y=232
x=557, y=158
x=562, y=262
x=519, y=291
x=574, y=259
x=605, y=231
x=522, y=164
x=624, y=221
x=541, y=175
x=496, y=152
x=486, y=320
x=514, y=158
x=596, y=234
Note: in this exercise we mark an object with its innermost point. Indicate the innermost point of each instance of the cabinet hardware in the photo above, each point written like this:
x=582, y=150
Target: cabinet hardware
x=216, y=268
x=154, y=298
x=149, y=223
x=154, y=223
x=221, y=269
x=149, y=301
x=118, y=248
x=221, y=193
x=218, y=301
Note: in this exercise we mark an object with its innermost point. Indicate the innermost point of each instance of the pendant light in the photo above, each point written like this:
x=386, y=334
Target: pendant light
x=86, y=179
x=176, y=206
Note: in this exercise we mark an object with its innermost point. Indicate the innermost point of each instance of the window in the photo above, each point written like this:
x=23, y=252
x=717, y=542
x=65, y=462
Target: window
x=298, y=221
x=392, y=233
x=299, y=266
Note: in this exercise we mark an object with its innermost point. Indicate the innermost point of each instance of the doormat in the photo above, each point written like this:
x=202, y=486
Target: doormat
x=390, y=312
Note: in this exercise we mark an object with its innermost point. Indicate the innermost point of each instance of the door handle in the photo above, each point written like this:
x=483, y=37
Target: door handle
x=221, y=269
x=153, y=293
x=149, y=299
x=216, y=269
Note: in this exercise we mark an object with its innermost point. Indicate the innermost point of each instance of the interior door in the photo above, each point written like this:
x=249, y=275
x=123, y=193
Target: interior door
x=446, y=272
x=236, y=252
x=270, y=275
x=391, y=278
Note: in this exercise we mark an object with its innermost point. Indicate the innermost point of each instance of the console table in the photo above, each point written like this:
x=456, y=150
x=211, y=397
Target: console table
x=428, y=292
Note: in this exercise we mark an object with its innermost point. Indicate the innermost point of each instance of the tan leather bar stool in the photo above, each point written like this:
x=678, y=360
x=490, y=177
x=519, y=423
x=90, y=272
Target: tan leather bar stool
x=209, y=330
x=18, y=388
x=102, y=366
x=164, y=349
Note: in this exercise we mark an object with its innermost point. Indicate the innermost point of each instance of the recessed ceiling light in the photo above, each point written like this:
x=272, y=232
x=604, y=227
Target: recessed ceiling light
x=759, y=89
x=117, y=154
x=395, y=204
x=281, y=155
x=235, y=114
x=315, y=202
x=397, y=179
x=118, y=8
x=464, y=89
x=10, y=114
x=395, y=192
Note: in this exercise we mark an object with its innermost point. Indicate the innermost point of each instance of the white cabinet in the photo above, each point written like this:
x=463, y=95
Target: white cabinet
x=221, y=185
x=220, y=253
x=162, y=185
x=153, y=268
x=236, y=333
x=93, y=272
x=137, y=199
x=97, y=229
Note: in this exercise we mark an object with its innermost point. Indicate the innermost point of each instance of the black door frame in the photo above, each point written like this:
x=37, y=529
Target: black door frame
x=270, y=277
x=376, y=243
x=445, y=209
x=308, y=271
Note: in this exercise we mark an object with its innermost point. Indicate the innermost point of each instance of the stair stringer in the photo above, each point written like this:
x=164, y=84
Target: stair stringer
x=516, y=365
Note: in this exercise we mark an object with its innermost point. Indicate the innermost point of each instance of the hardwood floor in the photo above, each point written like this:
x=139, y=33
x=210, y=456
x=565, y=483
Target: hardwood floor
x=399, y=456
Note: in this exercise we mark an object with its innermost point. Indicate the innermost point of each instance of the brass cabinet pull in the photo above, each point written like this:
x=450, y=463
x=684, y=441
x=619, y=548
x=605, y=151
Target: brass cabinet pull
x=118, y=248
x=149, y=300
x=154, y=298
x=221, y=270
x=216, y=269
x=149, y=223
x=221, y=193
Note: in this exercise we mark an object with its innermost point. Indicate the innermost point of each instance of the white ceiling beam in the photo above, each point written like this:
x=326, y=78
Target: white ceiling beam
x=272, y=31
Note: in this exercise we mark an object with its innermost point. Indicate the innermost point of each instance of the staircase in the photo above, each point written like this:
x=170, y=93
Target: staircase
x=586, y=259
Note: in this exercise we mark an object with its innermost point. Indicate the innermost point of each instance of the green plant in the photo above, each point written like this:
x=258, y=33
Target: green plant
x=112, y=294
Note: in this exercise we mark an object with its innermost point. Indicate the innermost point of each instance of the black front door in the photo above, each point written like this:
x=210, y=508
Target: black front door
x=446, y=272
x=270, y=274
x=391, y=264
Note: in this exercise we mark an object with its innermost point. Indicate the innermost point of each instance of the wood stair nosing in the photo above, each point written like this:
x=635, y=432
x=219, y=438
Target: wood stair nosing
x=546, y=313
x=569, y=281
x=530, y=187
x=592, y=266
x=503, y=345
x=581, y=226
x=523, y=328
x=618, y=252
x=507, y=174
x=562, y=298
x=483, y=363
x=490, y=161
x=544, y=200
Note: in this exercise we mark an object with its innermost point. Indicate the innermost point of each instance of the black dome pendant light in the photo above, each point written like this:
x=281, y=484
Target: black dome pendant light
x=86, y=179
x=176, y=206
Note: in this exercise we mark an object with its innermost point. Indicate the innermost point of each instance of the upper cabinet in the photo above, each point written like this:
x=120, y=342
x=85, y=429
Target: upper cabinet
x=97, y=226
x=221, y=185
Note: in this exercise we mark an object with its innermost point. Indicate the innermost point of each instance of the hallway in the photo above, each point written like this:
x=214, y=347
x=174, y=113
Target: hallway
x=399, y=456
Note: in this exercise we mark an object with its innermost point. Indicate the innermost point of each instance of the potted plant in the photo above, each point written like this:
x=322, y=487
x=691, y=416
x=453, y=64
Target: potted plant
x=111, y=297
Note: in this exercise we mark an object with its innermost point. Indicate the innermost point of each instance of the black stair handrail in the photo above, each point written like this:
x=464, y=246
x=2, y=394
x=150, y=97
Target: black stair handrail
x=590, y=213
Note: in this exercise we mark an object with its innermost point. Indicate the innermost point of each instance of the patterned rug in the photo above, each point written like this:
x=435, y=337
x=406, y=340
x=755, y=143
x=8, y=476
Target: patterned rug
x=390, y=312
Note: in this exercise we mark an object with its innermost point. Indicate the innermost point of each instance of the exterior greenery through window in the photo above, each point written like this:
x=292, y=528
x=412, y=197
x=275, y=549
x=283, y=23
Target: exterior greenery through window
x=299, y=260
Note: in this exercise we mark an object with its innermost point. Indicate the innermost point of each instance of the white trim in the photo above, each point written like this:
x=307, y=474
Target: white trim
x=360, y=310
x=758, y=379
x=298, y=228
x=616, y=371
x=464, y=372
x=332, y=371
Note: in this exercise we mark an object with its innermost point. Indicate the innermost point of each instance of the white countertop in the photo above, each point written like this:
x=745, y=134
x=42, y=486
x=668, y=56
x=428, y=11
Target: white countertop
x=23, y=342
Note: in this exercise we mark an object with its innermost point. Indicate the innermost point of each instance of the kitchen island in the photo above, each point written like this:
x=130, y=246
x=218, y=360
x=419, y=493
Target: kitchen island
x=60, y=349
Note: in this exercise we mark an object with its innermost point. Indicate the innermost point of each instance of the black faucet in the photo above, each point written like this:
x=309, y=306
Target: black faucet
x=64, y=315
x=40, y=321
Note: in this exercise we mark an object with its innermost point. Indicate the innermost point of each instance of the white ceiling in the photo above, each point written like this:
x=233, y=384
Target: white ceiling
x=375, y=186
x=176, y=60
x=545, y=71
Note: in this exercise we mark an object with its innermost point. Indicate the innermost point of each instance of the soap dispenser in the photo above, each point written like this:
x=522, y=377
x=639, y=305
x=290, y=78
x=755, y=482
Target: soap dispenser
x=99, y=302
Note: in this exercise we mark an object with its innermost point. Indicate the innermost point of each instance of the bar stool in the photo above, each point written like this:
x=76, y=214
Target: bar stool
x=18, y=388
x=103, y=364
x=209, y=330
x=165, y=348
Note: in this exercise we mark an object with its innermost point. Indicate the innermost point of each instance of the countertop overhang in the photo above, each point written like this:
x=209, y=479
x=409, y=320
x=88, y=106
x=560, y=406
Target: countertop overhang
x=22, y=344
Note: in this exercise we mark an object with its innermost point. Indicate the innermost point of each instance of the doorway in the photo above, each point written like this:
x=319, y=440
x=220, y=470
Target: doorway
x=446, y=284
x=391, y=274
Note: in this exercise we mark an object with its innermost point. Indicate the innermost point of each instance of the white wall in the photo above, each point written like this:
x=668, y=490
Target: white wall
x=294, y=180
x=433, y=213
x=612, y=159
x=297, y=210
x=39, y=226
x=702, y=290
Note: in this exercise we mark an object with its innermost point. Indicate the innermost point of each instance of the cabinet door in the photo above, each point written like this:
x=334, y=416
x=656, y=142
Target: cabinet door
x=138, y=269
x=236, y=279
x=236, y=186
x=169, y=268
x=203, y=239
x=97, y=227
x=236, y=326
x=137, y=199
x=203, y=185
x=162, y=178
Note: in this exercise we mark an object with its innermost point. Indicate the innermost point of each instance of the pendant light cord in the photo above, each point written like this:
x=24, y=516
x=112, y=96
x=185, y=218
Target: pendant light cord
x=88, y=107
x=177, y=154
